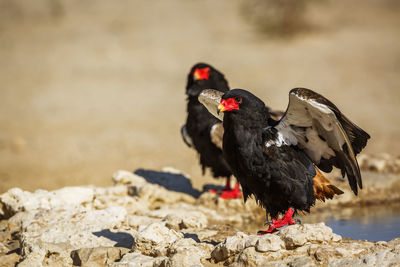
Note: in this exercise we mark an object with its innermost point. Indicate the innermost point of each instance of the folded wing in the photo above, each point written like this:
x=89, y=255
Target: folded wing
x=217, y=134
x=186, y=137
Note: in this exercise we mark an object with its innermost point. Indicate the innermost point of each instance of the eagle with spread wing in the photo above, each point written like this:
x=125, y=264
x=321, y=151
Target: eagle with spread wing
x=278, y=161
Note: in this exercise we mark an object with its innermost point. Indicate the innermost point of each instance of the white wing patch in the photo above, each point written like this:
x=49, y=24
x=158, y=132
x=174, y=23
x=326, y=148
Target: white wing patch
x=316, y=104
x=316, y=148
x=303, y=123
x=279, y=141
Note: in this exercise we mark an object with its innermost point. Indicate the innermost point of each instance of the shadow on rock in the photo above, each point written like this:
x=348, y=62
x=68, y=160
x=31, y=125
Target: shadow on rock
x=192, y=236
x=208, y=187
x=124, y=240
x=171, y=181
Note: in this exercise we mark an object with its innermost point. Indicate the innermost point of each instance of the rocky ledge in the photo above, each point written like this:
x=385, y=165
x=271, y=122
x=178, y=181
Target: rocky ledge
x=157, y=219
x=383, y=163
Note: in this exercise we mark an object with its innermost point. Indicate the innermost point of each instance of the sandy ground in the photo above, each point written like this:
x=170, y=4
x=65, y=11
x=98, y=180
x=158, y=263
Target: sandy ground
x=89, y=87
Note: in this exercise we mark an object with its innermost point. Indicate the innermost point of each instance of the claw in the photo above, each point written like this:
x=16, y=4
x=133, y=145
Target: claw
x=269, y=222
x=230, y=194
x=275, y=224
x=269, y=231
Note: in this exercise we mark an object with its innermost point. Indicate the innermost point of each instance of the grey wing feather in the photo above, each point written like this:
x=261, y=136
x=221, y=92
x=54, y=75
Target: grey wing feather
x=317, y=126
x=276, y=114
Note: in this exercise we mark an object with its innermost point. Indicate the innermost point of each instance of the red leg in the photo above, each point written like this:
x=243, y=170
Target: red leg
x=228, y=184
x=231, y=193
x=227, y=192
x=278, y=223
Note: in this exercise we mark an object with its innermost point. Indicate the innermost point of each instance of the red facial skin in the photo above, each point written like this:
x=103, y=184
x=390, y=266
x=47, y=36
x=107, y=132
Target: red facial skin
x=201, y=74
x=229, y=104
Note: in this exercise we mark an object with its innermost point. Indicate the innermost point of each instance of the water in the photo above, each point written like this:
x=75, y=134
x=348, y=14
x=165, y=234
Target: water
x=372, y=228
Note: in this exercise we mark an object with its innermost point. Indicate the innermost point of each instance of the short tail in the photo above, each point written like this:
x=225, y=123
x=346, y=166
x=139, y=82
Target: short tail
x=323, y=189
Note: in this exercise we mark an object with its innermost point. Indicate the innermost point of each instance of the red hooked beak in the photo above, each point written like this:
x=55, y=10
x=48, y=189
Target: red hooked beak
x=228, y=105
x=201, y=74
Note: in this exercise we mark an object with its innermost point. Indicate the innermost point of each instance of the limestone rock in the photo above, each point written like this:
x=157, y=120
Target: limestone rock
x=16, y=200
x=179, y=216
x=99, y=256
x=269, y=243
x=381, y=257
x=127, y=178
x=229, y=247
x=56, y=233
x=9, y=260
x=158, y=195
x=151, y=192
x=179, y=221
x=249, y=250
x=154, y=239
x=136, y=259
x=250, y=257
x=189, y=257
x=141, y=223
x=382, y=163
x=298, y=235
x=135, y=221
x=186, y=252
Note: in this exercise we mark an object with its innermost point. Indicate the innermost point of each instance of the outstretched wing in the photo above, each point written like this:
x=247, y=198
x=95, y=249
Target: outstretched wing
x=316, y=125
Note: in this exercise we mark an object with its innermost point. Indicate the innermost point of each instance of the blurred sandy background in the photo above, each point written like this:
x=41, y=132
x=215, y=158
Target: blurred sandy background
x=89, y=87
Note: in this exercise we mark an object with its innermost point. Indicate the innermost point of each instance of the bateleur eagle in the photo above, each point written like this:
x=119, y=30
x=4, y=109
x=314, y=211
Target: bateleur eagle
x=277, y=161
x=203, y=131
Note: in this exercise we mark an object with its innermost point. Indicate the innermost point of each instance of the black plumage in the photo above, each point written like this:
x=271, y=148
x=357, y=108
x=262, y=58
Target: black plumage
x=198, y=130
x=276, y=162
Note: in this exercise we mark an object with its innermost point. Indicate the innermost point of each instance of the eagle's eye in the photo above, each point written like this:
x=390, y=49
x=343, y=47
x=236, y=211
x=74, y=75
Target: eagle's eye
x=238, y=100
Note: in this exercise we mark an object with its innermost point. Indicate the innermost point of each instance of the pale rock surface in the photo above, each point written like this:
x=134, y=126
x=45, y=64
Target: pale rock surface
x=229, y=247
x=298, y=235
x=16, y=200
x=269, y=243
x=127, y=178
x=153, y=193
x=97, y=257
x=58, y=233
x=136, y=259
x=154, y=239
x=179, y=220
x=382, y=163
x=138, y=223
x=187, y=252
x=249, y=256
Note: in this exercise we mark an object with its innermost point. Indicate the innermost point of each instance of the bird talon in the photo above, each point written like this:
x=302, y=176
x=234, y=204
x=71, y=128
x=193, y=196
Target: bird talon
x=269, y=231
x=230, y=194
x=269, y=222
